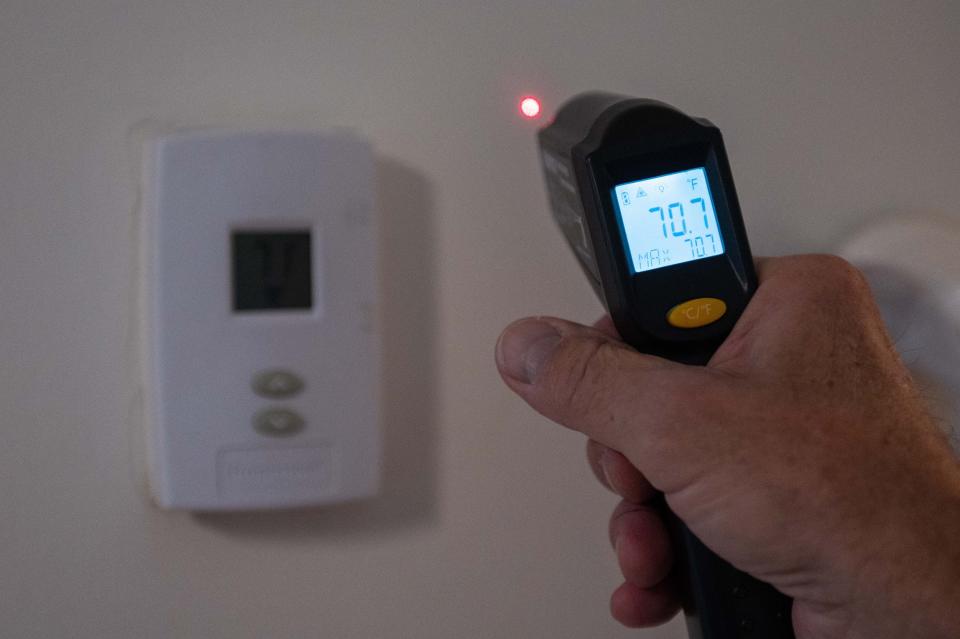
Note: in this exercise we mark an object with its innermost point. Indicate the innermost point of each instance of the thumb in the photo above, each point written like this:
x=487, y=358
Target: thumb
x=586, y=380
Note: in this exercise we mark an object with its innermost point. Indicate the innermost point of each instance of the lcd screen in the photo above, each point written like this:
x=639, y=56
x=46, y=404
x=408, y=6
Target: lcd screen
x=668, y=219
x=272, y=270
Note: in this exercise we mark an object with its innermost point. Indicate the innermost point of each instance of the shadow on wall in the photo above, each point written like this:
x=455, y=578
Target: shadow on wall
x=408, y=316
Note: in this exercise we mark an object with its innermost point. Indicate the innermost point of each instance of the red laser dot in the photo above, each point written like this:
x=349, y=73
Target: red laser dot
x=530, y=107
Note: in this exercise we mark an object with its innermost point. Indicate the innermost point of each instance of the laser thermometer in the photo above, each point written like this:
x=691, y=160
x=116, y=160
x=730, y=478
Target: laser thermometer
x=644, y=196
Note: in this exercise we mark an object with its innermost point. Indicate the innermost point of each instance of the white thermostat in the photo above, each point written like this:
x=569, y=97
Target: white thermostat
x=262, y=356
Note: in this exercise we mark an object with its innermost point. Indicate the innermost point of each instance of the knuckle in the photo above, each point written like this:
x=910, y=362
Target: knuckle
x=826, y=281
x=841, y=276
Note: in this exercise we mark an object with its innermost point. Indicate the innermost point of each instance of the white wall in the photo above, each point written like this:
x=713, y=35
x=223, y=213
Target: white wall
x=490, y=525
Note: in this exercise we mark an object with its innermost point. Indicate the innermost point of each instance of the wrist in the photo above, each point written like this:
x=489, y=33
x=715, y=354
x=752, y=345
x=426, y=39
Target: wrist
x=912, y=584
x=939, y=594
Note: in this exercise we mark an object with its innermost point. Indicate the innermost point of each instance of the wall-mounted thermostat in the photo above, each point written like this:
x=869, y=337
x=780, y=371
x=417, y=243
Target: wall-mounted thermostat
x=262, y=359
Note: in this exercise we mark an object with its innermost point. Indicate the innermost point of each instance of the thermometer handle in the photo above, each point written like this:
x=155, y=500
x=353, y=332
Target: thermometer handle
x=719, y=601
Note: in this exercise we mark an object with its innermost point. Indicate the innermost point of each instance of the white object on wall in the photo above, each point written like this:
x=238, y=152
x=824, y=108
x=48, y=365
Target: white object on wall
x=913, y=266
x=262, y=358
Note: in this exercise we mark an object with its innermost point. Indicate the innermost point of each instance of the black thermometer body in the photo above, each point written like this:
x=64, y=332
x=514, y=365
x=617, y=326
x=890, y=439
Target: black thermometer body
x=644, y=196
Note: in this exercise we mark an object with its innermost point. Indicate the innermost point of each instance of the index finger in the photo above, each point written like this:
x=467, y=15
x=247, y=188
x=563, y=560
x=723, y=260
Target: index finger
x=615, y=471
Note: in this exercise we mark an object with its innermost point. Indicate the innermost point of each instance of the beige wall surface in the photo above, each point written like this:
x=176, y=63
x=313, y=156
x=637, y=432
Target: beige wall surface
x=489, y=525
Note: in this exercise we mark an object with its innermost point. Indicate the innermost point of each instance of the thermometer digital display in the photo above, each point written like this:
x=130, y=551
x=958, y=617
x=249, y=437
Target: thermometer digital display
x=668, y=219
x=644, y=195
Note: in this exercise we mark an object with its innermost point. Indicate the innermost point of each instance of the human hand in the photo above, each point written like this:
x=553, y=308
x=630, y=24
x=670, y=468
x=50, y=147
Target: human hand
x=802, y=453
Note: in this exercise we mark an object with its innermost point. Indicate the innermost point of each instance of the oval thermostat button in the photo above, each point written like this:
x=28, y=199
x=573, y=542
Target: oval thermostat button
x=697, y=312
x=278, y=422
x=276, y=383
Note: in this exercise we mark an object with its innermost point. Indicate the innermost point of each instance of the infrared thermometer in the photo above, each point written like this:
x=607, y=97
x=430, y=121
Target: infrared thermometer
x=644, y=195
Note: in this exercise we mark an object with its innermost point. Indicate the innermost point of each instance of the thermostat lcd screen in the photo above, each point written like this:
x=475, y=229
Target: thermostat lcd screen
x=669, y=219
x=272, y=270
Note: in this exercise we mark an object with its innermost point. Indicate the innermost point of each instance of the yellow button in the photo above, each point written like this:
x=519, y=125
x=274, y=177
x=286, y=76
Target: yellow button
x=696, y=313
